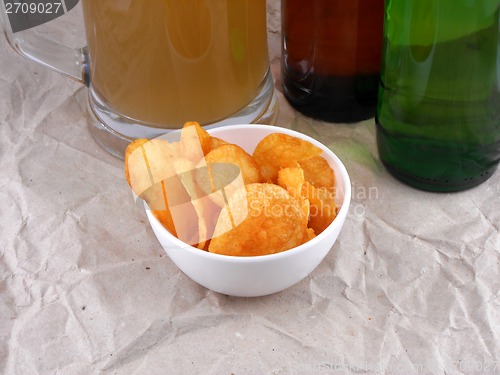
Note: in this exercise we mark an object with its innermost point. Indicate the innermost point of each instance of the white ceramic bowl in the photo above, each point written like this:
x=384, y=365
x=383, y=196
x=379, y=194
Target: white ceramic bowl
x=259, y=275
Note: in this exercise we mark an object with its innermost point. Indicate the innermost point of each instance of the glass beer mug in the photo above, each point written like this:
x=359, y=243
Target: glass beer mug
x=150, y=66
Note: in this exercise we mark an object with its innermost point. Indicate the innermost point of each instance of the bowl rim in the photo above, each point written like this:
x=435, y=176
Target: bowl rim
x=268, y=257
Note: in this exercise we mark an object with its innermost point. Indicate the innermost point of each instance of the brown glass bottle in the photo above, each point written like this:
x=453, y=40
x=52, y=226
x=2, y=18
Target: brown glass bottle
x=331, y=57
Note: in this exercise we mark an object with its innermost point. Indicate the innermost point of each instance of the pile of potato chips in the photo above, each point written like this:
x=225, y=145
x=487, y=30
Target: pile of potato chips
x=215, y=196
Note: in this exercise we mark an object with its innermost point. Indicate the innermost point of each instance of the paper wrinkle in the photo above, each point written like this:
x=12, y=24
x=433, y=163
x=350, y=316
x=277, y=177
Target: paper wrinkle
x=158, y=332
x=410, y=287
x=486, y=218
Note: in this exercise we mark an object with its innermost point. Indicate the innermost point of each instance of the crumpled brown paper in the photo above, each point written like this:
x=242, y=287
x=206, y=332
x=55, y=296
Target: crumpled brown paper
x=411, y=286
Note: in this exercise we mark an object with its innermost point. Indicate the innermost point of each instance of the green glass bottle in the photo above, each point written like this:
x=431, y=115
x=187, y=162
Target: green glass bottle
x=438, y=116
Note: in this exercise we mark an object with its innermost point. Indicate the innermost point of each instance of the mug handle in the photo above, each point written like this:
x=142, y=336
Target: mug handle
x=72, y=62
